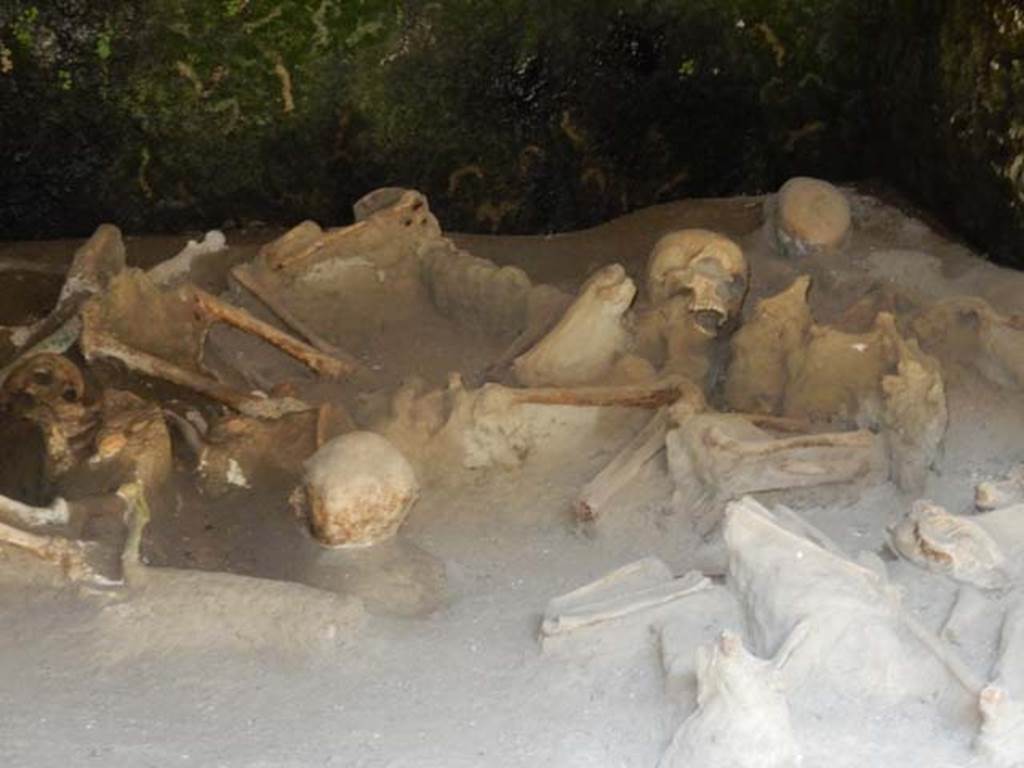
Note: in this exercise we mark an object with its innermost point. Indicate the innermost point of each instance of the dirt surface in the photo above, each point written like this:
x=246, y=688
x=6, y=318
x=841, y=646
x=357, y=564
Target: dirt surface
x=423, y=653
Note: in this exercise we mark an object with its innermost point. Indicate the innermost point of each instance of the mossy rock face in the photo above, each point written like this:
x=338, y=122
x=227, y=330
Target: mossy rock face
x=512, y=115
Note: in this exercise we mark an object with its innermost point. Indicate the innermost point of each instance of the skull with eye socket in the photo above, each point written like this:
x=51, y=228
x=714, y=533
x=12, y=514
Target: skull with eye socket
x=704, y=271
x=44, y=379
x=49, y=390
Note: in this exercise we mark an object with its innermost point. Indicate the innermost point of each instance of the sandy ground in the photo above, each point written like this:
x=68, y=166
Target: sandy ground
x=436, y=662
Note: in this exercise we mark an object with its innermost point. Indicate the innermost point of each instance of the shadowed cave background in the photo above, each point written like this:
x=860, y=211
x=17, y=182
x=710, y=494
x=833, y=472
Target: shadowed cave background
x=511, y=115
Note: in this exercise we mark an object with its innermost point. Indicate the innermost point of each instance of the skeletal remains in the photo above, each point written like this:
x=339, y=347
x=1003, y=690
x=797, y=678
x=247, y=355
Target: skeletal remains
x=740, y=404
x=816, y=405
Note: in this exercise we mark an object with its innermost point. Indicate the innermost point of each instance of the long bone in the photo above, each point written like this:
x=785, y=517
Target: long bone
x=94, y=264
x=69, y=554
x=180, y=360
x=717, y=457
x=215, y=309
x=98, y=344
x=644, y=446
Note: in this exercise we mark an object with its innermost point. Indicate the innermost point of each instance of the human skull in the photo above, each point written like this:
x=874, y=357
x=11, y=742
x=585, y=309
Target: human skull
x=704, y=268
x=45, y=379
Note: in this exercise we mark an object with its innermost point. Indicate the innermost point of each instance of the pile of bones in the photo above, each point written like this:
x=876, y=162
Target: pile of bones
x=796, y=404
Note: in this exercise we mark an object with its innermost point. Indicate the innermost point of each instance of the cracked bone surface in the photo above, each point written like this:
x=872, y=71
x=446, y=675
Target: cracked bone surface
x=856, y=639
x=584, y=345
x=742, y=718
x=716, y=457
x=979, y=550
x=811, y=216
x=360, y=489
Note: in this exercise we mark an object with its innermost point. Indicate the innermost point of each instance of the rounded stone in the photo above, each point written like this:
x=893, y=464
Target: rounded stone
x=811, y=215
x=360, y=489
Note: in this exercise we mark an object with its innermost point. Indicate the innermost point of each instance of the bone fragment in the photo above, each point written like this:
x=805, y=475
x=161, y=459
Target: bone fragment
x=98, y=344
x=644, y=446
x=94, y=264
x=653, y=395
x=408, y=216
x=1000, y=738
x=914, y=414
x=11, y=510
x=742, y=718
x=584, y=345
x=68, y=554
x=966, y=329
x=959, y=547
x=579, y=610
x=176, y=268
x=312, y=358
x=968, y=609
x=716, y=457
x=995, y=494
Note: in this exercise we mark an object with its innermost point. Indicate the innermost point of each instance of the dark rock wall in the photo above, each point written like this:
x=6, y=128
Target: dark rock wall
x=513, y=115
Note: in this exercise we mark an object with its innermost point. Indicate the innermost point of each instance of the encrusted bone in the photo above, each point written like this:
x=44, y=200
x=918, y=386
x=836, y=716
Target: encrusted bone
x=758, y=372
x=857, y=638
x=963, y=548
x=993, y=494
x=475, y=292
x=1000, y=739
x=395, y=228
x=97, y=343
x=94, y=265
x=215, y=309
x=647, y=443
x=914, y=415
x=11, y=510
x=176, y=269
x=717, y=457
x=110, y=330
x=742, y=718
x=585, y=344
x=68, y=554
x=968, y=330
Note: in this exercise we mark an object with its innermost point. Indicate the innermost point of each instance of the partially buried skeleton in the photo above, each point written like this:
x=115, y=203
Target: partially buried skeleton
x=809, y=404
